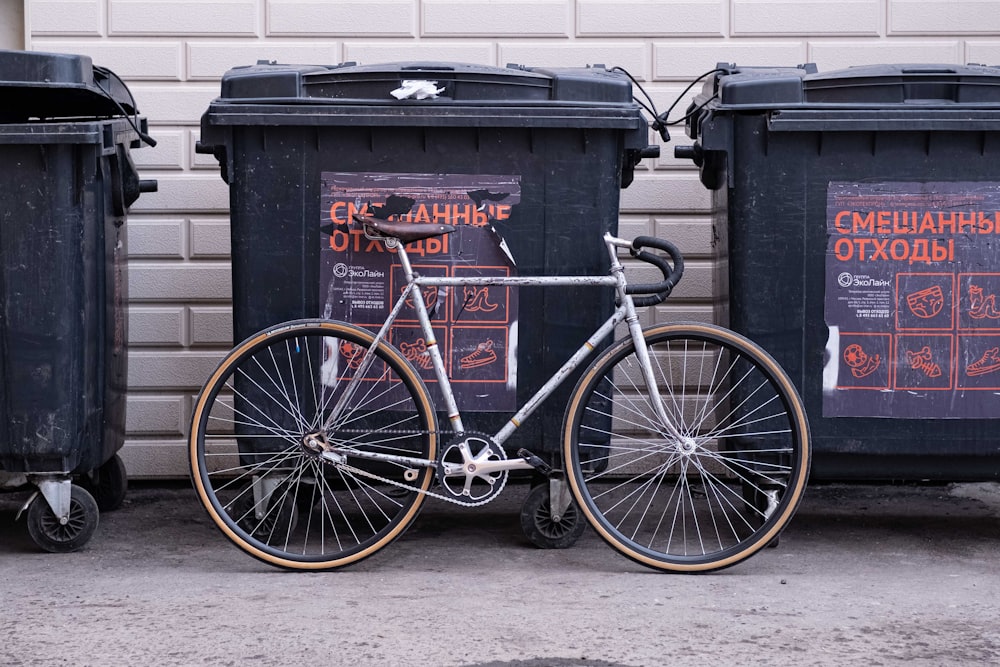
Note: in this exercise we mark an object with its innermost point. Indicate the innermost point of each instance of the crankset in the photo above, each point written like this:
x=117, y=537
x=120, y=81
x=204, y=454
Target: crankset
x=472, y=469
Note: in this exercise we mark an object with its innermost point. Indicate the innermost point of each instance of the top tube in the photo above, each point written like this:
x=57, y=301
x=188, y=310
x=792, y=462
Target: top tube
x=615, y=241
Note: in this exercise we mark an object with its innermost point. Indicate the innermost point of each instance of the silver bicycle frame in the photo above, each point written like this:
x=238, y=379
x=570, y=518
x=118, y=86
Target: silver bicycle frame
x=624, y=312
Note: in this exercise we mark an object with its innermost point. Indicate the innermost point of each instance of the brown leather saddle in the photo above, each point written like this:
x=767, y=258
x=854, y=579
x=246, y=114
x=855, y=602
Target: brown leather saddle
x=407, y=232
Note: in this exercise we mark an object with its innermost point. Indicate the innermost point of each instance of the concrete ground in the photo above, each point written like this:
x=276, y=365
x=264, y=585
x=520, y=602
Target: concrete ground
x=865, y=575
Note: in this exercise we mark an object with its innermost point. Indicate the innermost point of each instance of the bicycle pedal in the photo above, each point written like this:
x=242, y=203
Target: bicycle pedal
x=535, y=462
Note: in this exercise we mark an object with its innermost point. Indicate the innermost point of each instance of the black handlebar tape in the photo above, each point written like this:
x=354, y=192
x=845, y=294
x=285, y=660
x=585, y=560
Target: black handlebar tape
x=651, y=288
x=671, y=274
x=647, y=301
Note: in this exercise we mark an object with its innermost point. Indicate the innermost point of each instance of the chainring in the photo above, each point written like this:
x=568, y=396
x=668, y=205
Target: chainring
x=464, y=473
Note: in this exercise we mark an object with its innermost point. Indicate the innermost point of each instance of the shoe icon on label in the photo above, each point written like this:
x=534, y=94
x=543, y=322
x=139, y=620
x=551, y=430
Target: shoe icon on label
x=923, y=361
x=476, y=300
x=483, y=355
x=983, y=305
x=988, y=363
x=862, y=364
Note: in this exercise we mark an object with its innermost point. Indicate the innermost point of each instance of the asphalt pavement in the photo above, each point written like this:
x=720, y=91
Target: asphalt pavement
x=864, y=575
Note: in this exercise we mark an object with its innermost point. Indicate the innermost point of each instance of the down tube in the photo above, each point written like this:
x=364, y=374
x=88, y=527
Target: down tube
x=560, y=375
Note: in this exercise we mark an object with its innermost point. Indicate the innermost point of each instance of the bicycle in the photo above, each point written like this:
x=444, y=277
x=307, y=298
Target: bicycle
x=315, y=442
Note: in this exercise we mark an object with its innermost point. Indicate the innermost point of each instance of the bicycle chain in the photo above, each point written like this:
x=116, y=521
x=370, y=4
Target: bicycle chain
x=426, y=492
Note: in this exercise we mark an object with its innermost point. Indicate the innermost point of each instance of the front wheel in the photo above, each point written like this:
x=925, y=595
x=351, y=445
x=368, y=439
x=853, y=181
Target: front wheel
x=275, y=405
x=716, y=484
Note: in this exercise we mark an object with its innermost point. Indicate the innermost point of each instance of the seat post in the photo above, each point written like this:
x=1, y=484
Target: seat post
x=404, y=258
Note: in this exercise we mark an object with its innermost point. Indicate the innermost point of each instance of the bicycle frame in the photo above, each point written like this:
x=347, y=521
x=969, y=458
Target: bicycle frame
x=624, y=312
x=685, y=446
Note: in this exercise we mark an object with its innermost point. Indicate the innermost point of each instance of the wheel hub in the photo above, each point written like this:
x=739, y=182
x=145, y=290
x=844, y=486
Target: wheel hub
x=687, y=447
x=315, y=443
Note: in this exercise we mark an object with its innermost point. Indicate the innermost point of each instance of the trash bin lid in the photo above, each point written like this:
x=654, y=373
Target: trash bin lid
x=912, y=85
x=425, y=93
x=57, y=85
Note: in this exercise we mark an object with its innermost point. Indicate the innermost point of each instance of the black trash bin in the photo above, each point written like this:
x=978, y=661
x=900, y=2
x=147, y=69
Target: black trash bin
x=530, y=156
x=66, y=131
x=858, y=225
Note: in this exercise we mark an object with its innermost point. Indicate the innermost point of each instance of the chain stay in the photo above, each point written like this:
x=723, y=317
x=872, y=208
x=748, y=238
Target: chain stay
x=432, y=494
x=402, y=485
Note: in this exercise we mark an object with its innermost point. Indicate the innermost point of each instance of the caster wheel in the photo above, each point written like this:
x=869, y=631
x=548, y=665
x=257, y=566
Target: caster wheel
x=108, y=484
x=542, y=529
x=50, y=534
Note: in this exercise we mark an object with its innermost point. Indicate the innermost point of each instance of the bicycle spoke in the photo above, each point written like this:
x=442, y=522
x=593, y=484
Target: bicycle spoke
x=714, y=493
x=262, y=428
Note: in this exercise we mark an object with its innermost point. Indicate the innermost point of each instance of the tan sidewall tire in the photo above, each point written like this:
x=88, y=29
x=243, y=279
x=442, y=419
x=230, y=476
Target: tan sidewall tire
x=796, y=407
x=234, y=356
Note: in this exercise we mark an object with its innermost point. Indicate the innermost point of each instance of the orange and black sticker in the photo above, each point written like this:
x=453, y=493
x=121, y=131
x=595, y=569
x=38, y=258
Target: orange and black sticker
x=474, y=328
x=912, y=306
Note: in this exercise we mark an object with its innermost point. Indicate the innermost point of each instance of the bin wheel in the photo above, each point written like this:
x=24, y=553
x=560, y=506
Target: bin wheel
x=108, y=484
x=50, y=534
x=542, y=529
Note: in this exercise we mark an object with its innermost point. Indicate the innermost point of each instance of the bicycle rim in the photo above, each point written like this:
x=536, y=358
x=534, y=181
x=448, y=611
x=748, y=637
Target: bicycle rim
x=262, y=482
x=720, y=491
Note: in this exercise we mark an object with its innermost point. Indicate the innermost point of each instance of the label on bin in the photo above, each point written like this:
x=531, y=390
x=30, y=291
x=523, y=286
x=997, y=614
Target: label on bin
x=913, y=300
x=360, y=280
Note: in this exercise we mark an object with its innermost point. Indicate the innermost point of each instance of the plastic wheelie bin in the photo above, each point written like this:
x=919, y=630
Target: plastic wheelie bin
x=66, y=129
x=527, y=162
x=857, y=216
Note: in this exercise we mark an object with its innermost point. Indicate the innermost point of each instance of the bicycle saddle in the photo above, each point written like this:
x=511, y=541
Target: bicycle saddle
x=407, y=232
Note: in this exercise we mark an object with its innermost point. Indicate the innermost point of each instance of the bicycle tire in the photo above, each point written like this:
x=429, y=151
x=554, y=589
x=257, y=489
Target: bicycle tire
x=274, y=497
x=718, y=493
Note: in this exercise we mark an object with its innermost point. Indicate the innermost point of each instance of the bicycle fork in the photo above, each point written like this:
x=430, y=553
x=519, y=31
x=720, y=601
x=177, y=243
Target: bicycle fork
x=641, y=349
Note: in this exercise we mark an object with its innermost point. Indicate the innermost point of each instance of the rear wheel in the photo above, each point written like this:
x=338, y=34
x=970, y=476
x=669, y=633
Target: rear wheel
x=275, y=404
x=717, y=487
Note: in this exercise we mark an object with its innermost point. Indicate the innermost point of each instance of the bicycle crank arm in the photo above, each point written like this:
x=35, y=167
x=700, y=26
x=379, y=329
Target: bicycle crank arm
x=526, y=461
x=485, y=468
